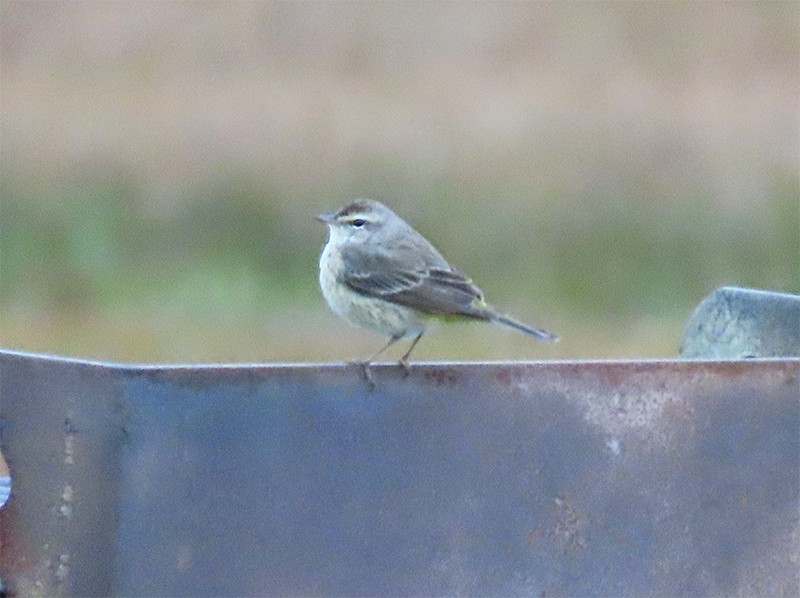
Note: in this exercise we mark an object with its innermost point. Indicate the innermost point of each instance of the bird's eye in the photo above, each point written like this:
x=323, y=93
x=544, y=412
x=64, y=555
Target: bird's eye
x=359, y=222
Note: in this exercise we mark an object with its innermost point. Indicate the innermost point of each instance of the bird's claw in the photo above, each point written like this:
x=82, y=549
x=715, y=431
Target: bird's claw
x=366, y=373
x=366, y=370
x=403, y=363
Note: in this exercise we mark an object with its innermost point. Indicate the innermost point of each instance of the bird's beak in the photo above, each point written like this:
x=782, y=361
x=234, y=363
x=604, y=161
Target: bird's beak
x=326, y=217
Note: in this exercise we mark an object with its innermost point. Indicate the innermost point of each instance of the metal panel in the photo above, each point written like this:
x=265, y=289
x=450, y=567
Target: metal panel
x=562, y=478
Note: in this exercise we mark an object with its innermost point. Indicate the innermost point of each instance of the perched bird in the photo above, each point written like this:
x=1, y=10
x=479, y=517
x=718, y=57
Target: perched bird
x=377, y=272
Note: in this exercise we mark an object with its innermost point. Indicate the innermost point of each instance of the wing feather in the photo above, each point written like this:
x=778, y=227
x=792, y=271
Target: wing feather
x=420, y=280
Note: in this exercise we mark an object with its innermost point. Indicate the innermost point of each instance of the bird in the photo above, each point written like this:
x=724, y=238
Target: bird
x=379, y=273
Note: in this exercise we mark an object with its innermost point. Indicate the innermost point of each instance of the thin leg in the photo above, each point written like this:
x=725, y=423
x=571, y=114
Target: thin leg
x=392, y=341
x=365, y=364
x=404, y=359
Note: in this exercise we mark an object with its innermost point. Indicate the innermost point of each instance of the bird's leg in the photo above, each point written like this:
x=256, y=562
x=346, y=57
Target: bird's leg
x=404, y=359
x=365, y=364
x=366, y=372
x=392, y=341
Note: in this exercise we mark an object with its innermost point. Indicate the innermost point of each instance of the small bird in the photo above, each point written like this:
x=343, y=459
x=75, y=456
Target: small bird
x=377, y=272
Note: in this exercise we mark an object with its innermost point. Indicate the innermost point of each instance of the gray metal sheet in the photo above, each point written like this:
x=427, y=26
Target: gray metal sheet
x=561, y=478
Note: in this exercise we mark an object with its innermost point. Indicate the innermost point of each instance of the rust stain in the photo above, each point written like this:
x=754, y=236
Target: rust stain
x=533, y=535
x=568, y=531
x=441, y=376
x=503, y=377
x=13, y=556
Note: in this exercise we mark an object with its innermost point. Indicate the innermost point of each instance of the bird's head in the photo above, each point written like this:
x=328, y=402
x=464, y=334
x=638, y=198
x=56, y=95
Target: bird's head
x=359, y=219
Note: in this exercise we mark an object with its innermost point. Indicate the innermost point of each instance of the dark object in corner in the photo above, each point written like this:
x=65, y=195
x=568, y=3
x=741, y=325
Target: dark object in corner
x=736, y=323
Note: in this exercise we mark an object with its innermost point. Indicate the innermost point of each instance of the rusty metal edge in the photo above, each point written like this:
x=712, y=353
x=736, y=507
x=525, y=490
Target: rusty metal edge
x=133, y=366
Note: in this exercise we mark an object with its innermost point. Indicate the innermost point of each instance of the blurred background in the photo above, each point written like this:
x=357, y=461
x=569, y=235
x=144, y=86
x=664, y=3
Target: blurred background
x=597, y=168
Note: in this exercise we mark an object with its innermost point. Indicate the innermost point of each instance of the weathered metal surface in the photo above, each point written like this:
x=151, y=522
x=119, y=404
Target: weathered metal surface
x=736, y=323
x=556, y=479
x=5, y=481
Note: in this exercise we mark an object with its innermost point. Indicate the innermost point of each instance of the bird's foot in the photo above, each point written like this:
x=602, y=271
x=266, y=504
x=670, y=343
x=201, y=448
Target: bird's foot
x=403, y=363
x=366, y=373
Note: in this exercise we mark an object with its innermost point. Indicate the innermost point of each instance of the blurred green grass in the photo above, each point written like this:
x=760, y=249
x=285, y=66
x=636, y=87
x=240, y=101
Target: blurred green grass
x=232, y=280
x=596, y=168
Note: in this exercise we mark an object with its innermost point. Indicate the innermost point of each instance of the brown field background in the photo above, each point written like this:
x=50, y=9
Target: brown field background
x=597, y=168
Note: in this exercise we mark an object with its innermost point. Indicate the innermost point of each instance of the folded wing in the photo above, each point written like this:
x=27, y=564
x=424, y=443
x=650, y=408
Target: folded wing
x=425, y=283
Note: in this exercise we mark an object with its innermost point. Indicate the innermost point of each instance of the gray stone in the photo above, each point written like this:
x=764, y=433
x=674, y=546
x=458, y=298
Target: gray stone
x=736, y=323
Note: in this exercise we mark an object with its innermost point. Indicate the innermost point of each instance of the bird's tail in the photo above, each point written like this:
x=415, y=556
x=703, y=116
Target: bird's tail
x=511, y=323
